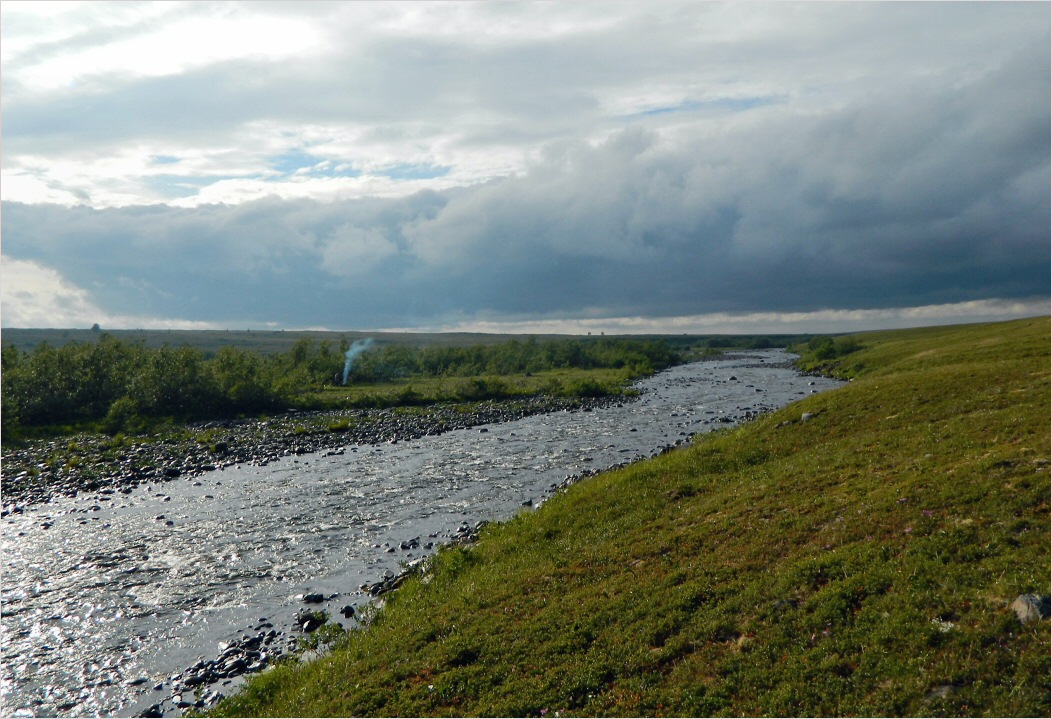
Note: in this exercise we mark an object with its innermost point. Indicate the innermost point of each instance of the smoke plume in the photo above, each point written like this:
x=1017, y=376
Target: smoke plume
x=350, y=355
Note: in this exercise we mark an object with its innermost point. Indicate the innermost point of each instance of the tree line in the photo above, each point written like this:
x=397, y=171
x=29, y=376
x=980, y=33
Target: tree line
x=114, y=383
x=390, y=362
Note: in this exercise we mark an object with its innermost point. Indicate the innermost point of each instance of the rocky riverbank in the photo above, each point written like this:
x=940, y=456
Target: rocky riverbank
x=134, y=573
x=202, y=685
x=106, y=465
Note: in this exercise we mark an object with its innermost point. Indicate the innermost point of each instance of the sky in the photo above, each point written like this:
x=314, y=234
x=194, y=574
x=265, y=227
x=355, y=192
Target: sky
x=618, y=167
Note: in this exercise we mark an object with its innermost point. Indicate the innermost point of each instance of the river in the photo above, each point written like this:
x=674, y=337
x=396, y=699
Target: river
x=107, y=598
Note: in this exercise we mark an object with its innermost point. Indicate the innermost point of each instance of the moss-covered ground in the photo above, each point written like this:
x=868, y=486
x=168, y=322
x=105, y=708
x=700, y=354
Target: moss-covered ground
x=858, y=563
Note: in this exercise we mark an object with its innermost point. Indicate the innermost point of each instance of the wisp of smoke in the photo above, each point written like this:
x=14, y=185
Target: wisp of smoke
x=349, y=356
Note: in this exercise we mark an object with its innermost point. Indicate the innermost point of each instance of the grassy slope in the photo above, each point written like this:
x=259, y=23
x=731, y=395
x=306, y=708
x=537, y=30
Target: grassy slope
x=858, y=563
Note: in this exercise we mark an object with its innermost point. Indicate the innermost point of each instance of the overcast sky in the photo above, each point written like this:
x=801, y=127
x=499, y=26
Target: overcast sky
x=571, y=166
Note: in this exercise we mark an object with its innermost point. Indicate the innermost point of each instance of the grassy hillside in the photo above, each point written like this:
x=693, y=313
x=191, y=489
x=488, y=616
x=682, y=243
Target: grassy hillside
x=858, y=563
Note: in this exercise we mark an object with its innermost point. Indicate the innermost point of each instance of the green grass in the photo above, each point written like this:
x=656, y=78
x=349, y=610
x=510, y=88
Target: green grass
x=429, y=390
x=860, y=563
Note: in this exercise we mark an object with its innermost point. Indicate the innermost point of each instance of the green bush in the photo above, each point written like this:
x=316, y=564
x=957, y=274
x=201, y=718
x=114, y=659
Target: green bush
x=822, y=349
x=588, y=388
x=126, y=386
x=479, y=388
x=123, y=416
x=846, y=345
x=407, y=395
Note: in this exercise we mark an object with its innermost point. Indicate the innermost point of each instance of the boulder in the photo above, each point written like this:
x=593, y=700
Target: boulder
x=1031, y=607
x=234, y=666
x=309, y=621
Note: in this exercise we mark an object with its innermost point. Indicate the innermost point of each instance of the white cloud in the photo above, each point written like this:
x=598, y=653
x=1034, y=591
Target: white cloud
x=37, y=29
x=478, y=88
x=153, y=41
x=32, y=295
x=25, y=187
x=35, y=296
x=328, y=189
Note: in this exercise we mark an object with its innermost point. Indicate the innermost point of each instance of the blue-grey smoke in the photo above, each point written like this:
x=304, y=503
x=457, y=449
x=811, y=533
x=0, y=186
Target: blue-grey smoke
x=349, y=356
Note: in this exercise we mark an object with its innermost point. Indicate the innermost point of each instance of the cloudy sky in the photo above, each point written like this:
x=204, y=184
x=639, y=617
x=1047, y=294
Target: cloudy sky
x=600, y=166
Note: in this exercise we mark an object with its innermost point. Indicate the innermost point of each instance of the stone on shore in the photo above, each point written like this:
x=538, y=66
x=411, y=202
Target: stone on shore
x=1031, y=607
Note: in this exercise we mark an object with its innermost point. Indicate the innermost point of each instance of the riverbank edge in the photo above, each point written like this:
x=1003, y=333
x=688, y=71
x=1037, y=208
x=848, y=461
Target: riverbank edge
x=36, y=470
x=266, y=694
x=98, y=463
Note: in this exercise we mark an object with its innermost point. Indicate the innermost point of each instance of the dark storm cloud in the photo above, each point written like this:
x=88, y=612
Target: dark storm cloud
x=777, y=157
x=928, y=195
x=263, y=259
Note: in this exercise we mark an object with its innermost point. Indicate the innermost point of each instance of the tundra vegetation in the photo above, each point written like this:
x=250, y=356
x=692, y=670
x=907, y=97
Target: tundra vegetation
x=855, y=553
x=119, y=386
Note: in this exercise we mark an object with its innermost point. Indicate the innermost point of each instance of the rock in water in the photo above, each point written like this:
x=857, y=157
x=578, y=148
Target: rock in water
x=309, y=621
x=1031, y=607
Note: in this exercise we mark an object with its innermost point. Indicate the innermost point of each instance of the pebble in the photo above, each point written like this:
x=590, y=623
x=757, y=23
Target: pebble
x=942, y=691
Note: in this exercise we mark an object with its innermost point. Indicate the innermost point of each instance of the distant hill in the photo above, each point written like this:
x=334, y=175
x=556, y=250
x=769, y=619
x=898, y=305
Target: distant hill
x=267, y=341
x=275, y=341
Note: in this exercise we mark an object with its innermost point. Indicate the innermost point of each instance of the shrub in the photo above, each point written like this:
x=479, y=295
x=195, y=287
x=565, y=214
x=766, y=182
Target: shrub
x=123, y=417
x=588, y=388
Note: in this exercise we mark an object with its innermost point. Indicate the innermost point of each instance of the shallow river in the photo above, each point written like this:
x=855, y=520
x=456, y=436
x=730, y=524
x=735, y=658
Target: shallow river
x=106, y=598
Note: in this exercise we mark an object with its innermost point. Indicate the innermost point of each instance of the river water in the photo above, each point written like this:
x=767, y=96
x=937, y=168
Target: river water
x=107, y=597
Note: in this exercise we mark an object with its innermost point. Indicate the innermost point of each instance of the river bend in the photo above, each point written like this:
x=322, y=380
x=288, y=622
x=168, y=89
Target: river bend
x=106, y=598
